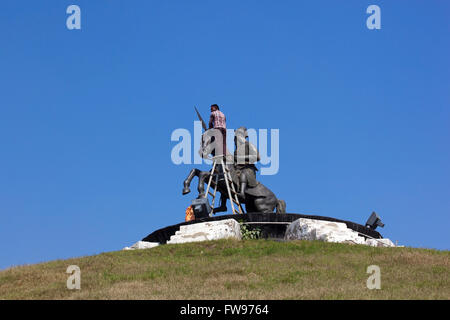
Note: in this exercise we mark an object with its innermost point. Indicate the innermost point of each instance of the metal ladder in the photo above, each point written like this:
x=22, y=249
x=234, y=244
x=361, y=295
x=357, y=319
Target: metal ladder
x=218, y=160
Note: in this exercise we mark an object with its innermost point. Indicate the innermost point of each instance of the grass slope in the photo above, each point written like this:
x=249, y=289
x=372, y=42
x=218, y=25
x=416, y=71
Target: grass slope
x=230, y=269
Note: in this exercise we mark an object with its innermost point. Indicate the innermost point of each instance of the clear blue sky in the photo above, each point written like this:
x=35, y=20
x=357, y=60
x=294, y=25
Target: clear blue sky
x=86, y=115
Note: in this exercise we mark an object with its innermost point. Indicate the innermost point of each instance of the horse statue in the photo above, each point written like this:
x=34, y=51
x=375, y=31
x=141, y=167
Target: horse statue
x=252, y=193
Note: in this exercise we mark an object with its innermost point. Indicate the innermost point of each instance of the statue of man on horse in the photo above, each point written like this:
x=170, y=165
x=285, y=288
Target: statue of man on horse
x=242, y=169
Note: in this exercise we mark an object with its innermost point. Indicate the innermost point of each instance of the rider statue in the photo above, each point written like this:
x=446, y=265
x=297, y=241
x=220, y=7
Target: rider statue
x=241, y=166
x=245, y=157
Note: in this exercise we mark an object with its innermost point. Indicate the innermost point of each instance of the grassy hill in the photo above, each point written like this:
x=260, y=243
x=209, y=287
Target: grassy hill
x=228, y=269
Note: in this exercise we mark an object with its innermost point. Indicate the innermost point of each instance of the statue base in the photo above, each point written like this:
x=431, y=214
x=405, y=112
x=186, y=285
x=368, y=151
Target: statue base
x=272, y=225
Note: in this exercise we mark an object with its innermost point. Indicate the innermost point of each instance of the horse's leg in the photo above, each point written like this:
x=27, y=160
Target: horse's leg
x=187, y=182
x=281, y=206
x=223, y=203
x=250, y=204
x=202, y=176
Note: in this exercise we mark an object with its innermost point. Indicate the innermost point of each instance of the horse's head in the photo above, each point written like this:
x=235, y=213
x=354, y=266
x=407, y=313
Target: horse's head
x=211, y=145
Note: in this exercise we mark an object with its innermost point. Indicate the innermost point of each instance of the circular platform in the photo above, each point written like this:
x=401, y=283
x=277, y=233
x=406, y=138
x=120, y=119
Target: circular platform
x=272, y=225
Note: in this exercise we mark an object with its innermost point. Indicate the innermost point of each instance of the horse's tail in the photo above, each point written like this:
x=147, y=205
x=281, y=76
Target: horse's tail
x=281, y=206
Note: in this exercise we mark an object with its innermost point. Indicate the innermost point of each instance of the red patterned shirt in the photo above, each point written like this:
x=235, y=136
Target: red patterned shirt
x=217, y=120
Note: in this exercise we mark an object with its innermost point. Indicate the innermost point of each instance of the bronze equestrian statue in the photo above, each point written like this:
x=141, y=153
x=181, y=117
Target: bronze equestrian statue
x=252, y=193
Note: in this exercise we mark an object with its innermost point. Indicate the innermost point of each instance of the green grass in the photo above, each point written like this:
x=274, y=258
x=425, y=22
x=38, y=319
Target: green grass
x=227, y=269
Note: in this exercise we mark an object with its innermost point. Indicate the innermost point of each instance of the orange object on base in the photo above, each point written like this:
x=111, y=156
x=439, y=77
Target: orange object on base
x=190, y=214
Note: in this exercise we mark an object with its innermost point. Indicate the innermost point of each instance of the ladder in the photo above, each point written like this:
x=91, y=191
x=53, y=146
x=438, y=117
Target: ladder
x=218, y=160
